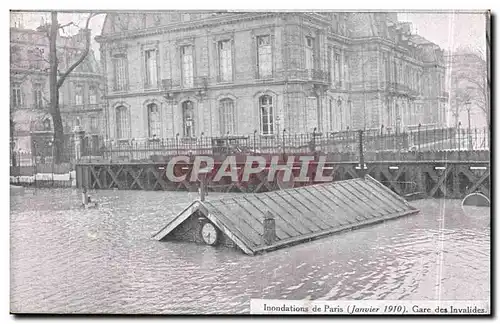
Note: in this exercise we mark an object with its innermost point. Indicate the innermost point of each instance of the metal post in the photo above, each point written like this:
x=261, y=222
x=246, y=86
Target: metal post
x=269, y=235
x=200, y=147
x=52, y=145
x=202, y=177
x=475, y=137
x=361, y=155
x=459, y=124
x=469, y=131
x=34, y=152
x=313, y=141
x=284, y=130
x=254, y=134
x=177, y=142
x=418, y=136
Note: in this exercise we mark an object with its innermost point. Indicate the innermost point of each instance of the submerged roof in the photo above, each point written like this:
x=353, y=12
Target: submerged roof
x=300, y=214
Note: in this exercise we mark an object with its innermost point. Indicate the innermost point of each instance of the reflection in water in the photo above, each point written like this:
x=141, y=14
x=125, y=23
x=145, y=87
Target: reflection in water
x=71, y=260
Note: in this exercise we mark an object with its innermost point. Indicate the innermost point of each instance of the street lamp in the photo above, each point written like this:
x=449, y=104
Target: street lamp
x=468, y=107
x=51, y=144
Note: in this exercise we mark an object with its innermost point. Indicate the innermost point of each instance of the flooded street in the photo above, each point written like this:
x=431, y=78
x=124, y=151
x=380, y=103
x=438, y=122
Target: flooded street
x=65, y=259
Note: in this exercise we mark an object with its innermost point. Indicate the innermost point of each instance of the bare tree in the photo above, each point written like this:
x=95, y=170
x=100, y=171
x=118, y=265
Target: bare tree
x=470, y=82
x=38, y=61
x=57, y=78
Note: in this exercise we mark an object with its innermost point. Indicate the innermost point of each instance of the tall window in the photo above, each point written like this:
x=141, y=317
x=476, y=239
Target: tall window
x=387, y=67
x=153, y=120
x=151, y=68
x=38, y=95
x=17, y=95
x=310, y=55
x=120, y=72
x=225, y=61
x=122, y=123
x=330, y=65
x=417, y=81
x=331, y=109
x=93, y=123
x=188, y=118
x=400, y=72
x=346, y=68
x=336, y=67
x=266, y=115
x=226, y=116
x=79, y=95
x=187, y=66
x=264, y=56
x=408, y=75
x=92, y=95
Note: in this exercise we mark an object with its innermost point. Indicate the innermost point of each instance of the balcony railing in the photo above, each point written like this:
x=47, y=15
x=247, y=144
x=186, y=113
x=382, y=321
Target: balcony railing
x=176, y=85
x=398, y=87
x=84, y=107
x=310, y=75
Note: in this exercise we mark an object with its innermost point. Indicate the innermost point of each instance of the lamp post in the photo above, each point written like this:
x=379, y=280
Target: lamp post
x=468, y=107
x=51, y=144
x=202, y=176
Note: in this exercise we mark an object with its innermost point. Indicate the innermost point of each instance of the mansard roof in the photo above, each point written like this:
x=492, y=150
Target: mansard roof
x=117, y=22
x=360, y=25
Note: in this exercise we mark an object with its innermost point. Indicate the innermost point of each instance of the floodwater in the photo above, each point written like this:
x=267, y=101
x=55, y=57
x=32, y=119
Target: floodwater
x=70, y=260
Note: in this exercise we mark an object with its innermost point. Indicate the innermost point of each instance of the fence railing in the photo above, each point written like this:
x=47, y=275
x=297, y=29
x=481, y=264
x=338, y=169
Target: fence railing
x=334, y=142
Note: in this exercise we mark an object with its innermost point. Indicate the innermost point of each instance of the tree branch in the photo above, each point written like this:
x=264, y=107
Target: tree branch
x=82, y=57
x=66, y=25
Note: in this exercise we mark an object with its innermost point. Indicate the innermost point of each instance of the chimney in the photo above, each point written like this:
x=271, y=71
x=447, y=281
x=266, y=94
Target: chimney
x=269, y=236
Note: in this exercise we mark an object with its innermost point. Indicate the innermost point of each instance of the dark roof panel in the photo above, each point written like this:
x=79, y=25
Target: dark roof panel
x=300, y=214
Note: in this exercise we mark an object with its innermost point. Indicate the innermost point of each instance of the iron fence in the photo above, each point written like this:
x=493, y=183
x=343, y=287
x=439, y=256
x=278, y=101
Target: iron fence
x=344, y=142
x=41, y=157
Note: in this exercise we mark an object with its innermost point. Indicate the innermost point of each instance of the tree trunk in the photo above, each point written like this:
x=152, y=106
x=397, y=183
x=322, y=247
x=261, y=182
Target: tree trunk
x=54, y=91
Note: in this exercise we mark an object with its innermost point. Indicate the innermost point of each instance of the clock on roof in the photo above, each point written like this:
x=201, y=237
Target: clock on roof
x=209, y=233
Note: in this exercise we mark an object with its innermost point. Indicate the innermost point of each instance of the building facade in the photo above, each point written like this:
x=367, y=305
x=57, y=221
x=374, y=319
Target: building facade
x=192, y=74
x=80, y=97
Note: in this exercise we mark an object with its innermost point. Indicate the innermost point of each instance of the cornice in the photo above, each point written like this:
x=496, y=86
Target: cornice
x=73, y=74
x=185, y=26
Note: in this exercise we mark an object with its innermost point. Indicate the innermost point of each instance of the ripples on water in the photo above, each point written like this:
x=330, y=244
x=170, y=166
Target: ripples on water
x=70, y=260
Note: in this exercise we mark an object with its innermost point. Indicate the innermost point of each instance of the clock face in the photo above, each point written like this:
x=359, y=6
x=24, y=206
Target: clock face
x=209, y=233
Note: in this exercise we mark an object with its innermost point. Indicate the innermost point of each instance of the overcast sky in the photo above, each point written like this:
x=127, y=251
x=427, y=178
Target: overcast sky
x=449, y=30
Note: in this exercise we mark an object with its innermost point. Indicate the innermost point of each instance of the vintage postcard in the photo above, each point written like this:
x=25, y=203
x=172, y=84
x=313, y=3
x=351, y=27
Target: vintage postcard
x=250, y=162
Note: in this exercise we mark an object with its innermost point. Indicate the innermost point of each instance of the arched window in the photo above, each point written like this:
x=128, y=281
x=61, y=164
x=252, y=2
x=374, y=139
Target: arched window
x=153, y=120
x=226, y=116
x=122, y=123
x=188, y=119
x=266, y=115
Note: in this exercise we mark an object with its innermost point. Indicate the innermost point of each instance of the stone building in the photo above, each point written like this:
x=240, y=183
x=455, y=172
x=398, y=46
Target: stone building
x=79, y=97
x=210, y=73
